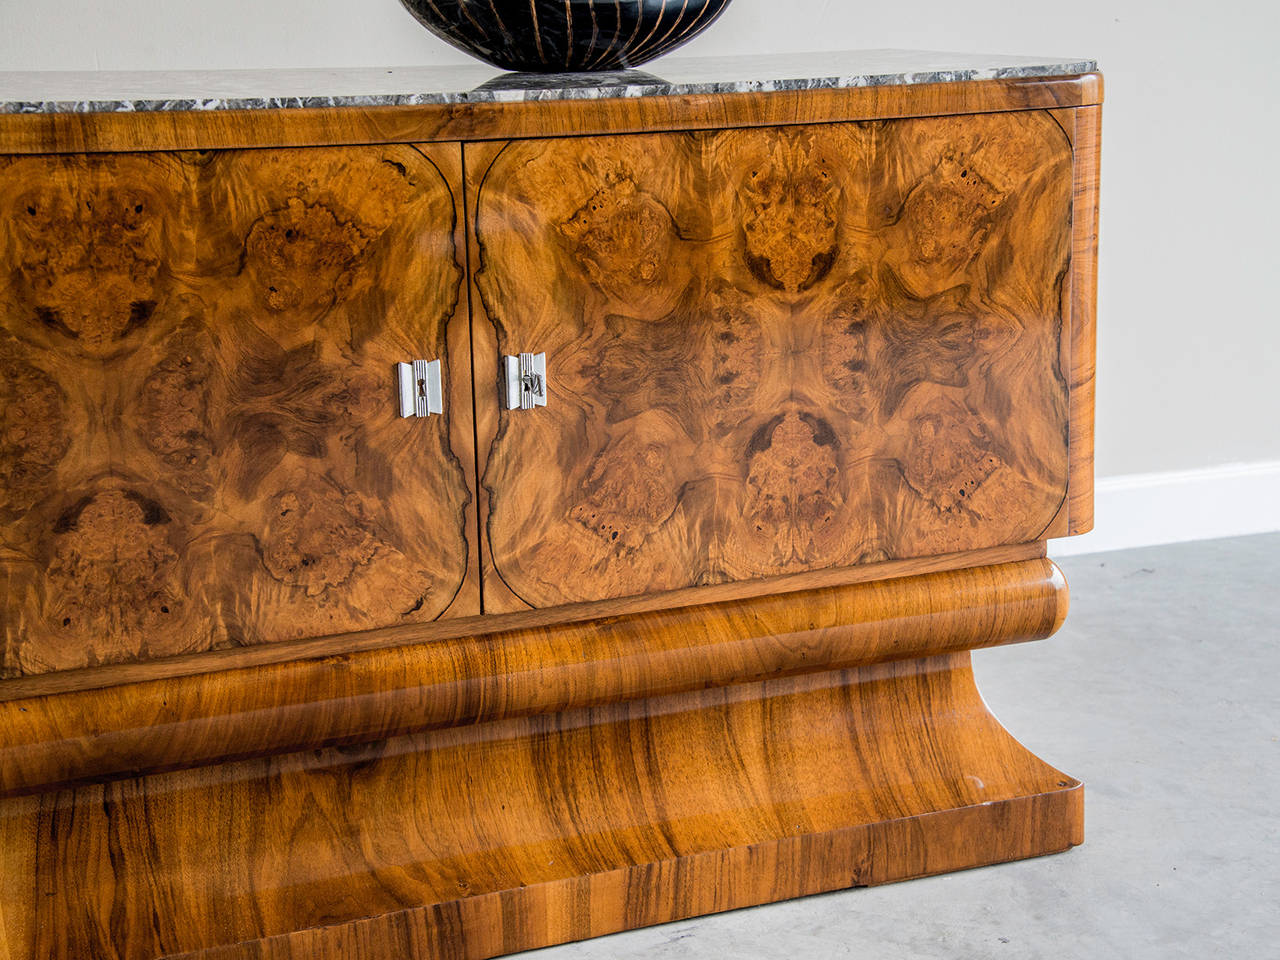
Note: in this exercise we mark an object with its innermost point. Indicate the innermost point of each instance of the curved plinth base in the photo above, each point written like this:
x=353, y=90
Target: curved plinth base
x=480, y=841
x=342, y=693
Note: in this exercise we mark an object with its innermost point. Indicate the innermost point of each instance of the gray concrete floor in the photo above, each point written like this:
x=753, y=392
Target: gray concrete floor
x=1161, y=694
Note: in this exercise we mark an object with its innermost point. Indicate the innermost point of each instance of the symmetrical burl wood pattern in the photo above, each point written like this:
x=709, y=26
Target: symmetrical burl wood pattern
x=199, y=444
x=770, y=350
x=479, y=841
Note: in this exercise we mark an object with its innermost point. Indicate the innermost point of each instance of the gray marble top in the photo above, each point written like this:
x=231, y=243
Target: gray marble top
x=105, y=92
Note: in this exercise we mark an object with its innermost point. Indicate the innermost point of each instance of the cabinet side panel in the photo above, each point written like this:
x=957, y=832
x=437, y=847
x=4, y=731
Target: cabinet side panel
x=1084, y=306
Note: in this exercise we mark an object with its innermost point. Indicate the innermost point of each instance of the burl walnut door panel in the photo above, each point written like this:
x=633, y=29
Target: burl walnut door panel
x=199, y=440
x=769, y=350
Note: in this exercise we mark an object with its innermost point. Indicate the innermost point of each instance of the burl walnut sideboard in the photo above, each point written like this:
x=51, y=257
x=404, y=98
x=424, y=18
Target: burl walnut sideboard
x=441, y=518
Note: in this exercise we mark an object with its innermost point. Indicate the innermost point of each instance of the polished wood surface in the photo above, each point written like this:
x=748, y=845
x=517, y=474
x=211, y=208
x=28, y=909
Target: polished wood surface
x=163, y=724
x=199, y=440
x=769, y=351
x=474, y=842
x=218, y=129
x=1085, y=125
x=882, y=348
x=312, y=654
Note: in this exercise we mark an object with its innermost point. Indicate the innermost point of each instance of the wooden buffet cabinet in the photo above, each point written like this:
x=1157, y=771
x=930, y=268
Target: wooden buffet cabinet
x=284, y=674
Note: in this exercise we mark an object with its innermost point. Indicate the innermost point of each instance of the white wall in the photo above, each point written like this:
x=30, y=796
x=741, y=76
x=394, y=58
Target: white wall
x=1189, y=328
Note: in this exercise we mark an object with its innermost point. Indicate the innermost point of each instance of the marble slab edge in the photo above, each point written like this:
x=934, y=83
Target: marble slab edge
x=512, y=88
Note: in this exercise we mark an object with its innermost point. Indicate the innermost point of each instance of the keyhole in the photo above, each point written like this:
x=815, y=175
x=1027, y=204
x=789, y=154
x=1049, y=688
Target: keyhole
x=422, y=388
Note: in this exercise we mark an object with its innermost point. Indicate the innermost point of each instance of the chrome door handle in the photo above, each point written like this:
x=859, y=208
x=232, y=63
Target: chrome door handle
x=526, y=377
x=421, y=388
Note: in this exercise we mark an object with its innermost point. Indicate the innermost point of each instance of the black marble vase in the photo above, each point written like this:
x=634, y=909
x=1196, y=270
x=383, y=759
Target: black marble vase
x=563, y=36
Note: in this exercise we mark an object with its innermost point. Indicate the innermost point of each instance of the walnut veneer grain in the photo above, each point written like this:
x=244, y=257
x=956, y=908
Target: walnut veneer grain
x=769, y=351
x=474, y=842
x=199, y=441
x=1086, y=127
x=50, y=740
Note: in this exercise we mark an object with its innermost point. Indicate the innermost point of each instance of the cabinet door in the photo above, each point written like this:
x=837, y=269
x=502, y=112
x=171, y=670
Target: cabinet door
x=769, y=351
x=200, y=443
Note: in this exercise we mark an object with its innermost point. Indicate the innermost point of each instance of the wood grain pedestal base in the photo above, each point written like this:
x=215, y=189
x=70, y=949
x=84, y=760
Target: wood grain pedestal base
x=482, y=839
x=698, y=804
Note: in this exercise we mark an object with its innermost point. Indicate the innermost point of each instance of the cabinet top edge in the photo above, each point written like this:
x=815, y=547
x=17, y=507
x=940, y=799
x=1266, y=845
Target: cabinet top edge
x=57, y=92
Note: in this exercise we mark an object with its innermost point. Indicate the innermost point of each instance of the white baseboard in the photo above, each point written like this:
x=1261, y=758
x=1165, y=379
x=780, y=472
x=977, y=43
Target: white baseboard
x=1145, y=509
